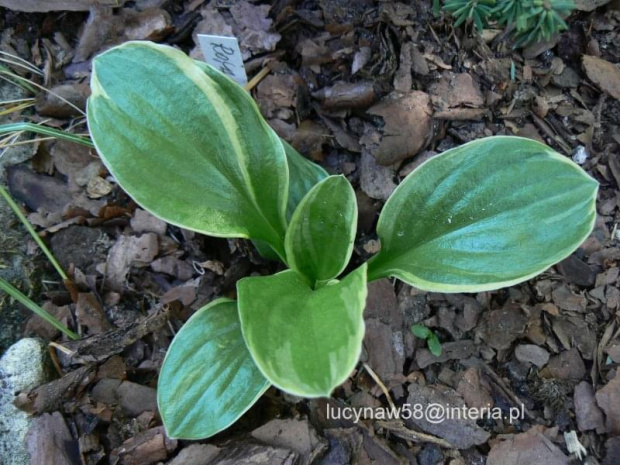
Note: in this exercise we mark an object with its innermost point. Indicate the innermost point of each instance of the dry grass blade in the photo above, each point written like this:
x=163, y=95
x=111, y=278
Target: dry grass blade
x=18, y=61
x=15, y=108
x=29, y=84
x=6, y=145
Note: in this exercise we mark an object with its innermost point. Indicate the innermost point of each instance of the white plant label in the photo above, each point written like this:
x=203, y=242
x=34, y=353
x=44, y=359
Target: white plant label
x=224, y=54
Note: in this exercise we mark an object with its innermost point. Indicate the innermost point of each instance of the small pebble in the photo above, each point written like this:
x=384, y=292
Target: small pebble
x=580, y=155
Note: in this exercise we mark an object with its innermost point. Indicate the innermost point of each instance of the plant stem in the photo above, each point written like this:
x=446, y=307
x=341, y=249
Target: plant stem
x=47, y=131
x=30, y=305
x=33, y=233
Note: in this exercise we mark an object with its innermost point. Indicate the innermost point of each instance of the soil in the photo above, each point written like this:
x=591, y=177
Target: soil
x=368, y=89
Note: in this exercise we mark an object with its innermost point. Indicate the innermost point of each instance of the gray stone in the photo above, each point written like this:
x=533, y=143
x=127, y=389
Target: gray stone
x=23, y=367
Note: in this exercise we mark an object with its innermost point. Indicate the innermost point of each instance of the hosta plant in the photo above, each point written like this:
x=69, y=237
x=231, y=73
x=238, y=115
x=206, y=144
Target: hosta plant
x=189, y=145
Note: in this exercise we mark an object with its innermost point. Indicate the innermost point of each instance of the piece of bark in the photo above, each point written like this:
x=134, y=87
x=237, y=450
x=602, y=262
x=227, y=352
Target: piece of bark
x=385, y=348
x=101, y=346
x=456, y=350
x=381, y=303
x=589, y=415
x=293, y=434
x=50, y=396
x=504, y=326
x=612, y=451
x=564, y=298
x=376, y=180
x=567, y=365
x=145, y=448
x=461, y=433
x=346, y=95
x=608, y=399
x=252, y=454
x=530, y=447
x=576, y=271
x=196, y=454
x=358, y=445
x=461, y=114
x=530, y=353
x=49, y=441
x=473, y=391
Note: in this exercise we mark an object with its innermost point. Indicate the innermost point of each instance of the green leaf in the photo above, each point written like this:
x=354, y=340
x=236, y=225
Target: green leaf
x=319, y=239
x=266, y=251
x=306, y=342
x=208, y=379
x=188, y=144
x=489, y=214
x=421, y=331
x=434, y=345
x=303, y=175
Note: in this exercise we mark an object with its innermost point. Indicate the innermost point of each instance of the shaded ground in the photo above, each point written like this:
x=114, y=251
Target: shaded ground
x=370, y=90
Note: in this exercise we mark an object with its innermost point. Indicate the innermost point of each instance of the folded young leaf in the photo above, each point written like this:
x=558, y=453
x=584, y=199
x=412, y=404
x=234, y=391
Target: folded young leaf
x=208, y=379
x=489, y=214
x=303, y=175
x=187, y=143
x=319, y=238
x=306, y=342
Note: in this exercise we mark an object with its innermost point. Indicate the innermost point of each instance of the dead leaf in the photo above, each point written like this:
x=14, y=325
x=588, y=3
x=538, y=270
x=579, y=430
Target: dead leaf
x=604, y=74
x=407, y=125
x=126, y=252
